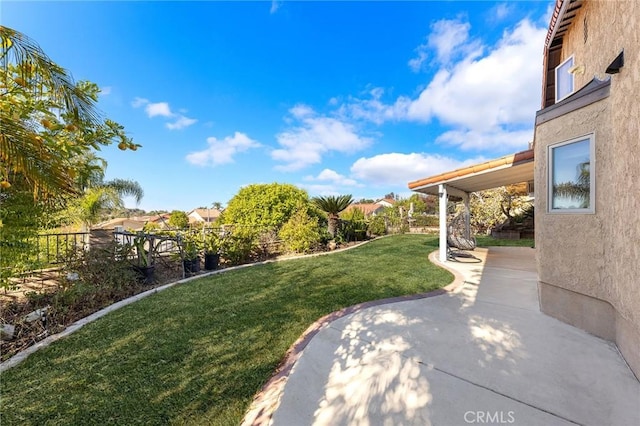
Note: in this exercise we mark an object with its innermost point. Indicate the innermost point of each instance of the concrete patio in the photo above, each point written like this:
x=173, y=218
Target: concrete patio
x=483, y=354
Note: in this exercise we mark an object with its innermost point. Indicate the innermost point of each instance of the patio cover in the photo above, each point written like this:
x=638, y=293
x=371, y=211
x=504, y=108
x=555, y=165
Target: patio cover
x=507, y=170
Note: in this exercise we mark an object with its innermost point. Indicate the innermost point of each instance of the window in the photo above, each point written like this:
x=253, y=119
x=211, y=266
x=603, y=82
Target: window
x=571, y=181
x=564, y=79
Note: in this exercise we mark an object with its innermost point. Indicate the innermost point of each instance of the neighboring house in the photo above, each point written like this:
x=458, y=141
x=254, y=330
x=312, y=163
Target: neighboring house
x=127, y=224
x=586, y=173
x=204, y=215
x=369, y=209
x=386, y=202
x=162, y=220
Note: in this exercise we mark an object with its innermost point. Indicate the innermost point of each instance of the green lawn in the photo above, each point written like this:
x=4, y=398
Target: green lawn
x=487, y=241
x=197, y=353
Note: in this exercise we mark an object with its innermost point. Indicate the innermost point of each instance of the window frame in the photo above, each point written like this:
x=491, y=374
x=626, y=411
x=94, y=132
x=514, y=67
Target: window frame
x=573, y=83
x=592, y=176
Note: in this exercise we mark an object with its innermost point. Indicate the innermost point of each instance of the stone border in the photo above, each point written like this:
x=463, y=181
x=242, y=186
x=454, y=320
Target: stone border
x=267, y=399
x=21, y=356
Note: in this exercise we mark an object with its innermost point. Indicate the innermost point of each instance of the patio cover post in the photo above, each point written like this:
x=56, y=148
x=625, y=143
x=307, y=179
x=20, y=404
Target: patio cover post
x=442, y=193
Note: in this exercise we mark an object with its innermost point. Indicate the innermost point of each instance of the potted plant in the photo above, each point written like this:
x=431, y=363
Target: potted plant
x=190, y=258
x=212, y=242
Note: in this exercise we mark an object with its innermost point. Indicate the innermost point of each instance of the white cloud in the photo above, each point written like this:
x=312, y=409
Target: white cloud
x=322, y=190
x=313, y=136
x=469, y=139
x=328, y=175
x=502, y=10
x=138, y=102
x=162, y=109
x=105, y=91
x=448, y=36
x=399, y=169
x=500, y=88
x=488, y=98
x=447, y=40
x=159, y=108
x=275, y=5
x=374, y=109
x=222, y=151
x=181, y=123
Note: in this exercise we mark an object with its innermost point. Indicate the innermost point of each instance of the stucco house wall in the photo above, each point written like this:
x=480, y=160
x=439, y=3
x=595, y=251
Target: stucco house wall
x=589, y=264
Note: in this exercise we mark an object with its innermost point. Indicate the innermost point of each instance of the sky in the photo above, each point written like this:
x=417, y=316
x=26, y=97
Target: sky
x=334, y=97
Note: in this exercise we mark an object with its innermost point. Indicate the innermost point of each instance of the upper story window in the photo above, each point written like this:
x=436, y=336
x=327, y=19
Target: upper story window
x=571, y=176
x=564, y=79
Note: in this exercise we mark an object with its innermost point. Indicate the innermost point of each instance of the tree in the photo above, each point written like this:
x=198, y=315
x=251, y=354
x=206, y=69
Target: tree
x=47, y=120
x=332, y=206
x=89, y=208
x=577, y=191
x=50, y=126
x=301, y=233
x=178, y=219
x=264, y=206
x=494, y=206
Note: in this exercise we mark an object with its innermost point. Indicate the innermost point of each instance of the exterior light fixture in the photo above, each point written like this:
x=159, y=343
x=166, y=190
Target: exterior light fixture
x=617, y=63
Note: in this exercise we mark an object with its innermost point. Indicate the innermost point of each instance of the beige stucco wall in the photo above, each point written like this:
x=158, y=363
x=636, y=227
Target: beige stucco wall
x=611, y=26
x=598, y=255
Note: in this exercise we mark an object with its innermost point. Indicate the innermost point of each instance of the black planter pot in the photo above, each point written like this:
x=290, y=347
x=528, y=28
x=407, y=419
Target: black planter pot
x=211, y=261
x=192, y=265
x=145, y=273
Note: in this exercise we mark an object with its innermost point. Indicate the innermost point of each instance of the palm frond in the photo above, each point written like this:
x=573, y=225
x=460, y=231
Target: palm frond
x=17, y=48
x=333, y=205
x=124, y=187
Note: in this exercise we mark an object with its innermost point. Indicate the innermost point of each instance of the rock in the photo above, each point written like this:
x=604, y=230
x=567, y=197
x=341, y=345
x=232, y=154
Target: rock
x=36, y=315
x=7, y=331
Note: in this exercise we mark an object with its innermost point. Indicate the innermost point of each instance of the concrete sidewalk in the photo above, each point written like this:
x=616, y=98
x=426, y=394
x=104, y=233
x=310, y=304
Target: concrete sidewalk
x=481, y=355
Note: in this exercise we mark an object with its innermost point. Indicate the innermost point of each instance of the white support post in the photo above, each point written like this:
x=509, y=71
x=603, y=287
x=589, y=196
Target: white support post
x=442, y=193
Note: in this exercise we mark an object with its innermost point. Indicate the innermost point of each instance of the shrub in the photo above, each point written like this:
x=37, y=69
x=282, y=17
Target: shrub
x=178, y=219
x=238, y=247
x=106, y=269
x=301, y=233
x=264, y=206
x=425, y=220
x=268, y=243
x=354, y=226
x=377, y=226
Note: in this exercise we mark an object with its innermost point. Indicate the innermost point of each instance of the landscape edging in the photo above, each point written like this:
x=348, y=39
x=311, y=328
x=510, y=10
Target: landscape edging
x=72, y=328
x=267, y=400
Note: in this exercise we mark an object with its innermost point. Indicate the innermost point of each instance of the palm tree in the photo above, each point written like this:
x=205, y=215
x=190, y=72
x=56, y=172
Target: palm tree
x=109, y=195
x=578, y=190
x=332, y=206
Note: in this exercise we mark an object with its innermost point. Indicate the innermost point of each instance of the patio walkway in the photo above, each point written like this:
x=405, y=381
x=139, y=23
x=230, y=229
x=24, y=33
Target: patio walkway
x=483, y=354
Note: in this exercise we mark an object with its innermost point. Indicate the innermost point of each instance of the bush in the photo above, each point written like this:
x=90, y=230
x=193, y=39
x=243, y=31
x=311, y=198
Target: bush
x=268, y=243
x=354, y=226
x=104, y=276
x=238, y=247
x=377, y=226
x=301, y=233
x=106, y=269
x=425, y=220
x=264, y=206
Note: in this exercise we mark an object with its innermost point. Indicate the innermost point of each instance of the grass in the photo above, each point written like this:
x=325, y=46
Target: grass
x=197, y=353
x=488, y=241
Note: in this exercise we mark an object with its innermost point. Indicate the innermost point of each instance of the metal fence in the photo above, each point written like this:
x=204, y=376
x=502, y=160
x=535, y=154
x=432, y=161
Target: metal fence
x=55, y=249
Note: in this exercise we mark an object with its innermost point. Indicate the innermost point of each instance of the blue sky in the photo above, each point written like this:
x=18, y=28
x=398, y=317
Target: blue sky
x=335, y=97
